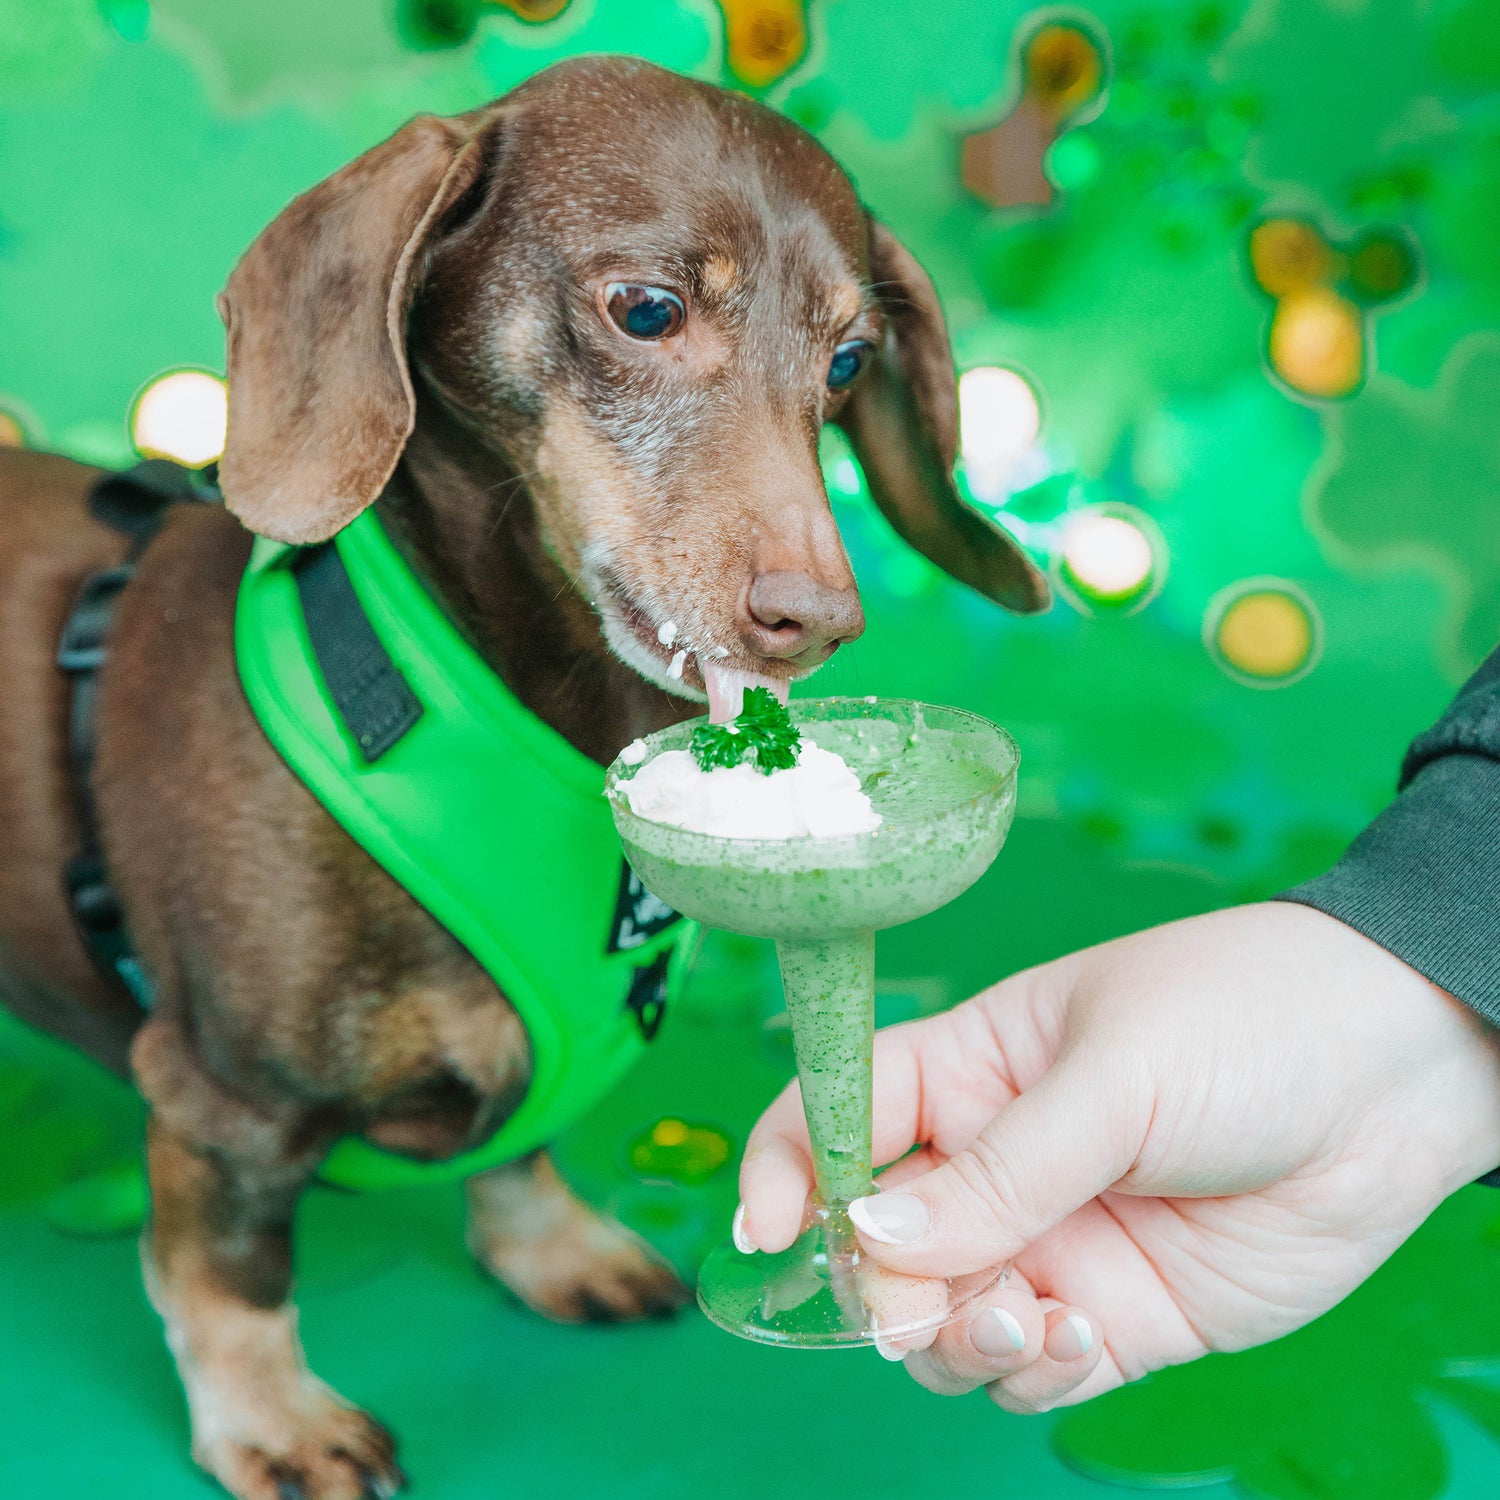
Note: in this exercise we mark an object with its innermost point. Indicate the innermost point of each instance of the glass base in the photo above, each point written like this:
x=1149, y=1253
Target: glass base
x=824, y=1293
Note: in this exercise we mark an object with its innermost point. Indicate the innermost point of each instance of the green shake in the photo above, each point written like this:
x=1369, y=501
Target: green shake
x=943, y=783
x=827, y=981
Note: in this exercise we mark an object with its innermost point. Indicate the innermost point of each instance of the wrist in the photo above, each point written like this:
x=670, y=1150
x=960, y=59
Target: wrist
x=1465, y=1092
x=1448, y=1057
x=1431, y=1063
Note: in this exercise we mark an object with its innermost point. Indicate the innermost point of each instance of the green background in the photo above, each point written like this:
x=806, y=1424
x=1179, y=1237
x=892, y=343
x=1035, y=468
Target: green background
x=142, y=145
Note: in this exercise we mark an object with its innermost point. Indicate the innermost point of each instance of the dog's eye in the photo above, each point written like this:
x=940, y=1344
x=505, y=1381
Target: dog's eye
x=848, y=360
x=644, y=312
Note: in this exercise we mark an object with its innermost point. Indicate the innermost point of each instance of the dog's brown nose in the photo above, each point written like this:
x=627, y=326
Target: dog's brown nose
x=792, y=614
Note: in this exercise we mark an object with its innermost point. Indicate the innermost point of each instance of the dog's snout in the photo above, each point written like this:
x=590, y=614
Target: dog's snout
x=792, y=614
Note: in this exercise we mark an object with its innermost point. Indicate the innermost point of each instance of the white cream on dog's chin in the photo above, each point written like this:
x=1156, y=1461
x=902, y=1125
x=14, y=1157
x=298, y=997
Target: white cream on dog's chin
x=726, y=685
x=631, y=650
x=681, y=633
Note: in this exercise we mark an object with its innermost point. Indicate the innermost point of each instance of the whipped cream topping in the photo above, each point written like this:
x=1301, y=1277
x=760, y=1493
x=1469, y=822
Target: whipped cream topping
x=819, y=797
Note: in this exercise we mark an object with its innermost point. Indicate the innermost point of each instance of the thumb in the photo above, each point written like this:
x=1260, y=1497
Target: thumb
x=1070, y=1136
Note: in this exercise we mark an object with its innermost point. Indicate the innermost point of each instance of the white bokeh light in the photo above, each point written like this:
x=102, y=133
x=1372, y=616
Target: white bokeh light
x=998, y=415
x=1108, y=555
x=999, y=421
x=182, y=416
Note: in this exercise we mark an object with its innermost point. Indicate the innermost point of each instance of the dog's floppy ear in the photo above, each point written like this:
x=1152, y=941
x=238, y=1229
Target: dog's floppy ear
x=902, y=420
x=320, y=399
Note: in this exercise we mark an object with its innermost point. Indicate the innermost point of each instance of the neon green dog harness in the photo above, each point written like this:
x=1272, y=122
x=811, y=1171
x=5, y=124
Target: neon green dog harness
x=486, y=815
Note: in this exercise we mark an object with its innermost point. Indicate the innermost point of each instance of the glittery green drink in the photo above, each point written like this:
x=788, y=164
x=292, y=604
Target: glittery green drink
x=944, y=784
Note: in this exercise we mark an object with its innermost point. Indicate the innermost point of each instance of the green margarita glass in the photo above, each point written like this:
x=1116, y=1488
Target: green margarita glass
x=944, y=782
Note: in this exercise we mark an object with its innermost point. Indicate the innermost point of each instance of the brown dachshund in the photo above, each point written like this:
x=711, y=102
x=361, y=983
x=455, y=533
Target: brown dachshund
x=577, y=347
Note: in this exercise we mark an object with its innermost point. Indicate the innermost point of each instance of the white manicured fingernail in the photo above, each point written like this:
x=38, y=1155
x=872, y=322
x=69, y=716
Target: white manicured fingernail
x=1070, y=1339
x=997, y=1333
x=890, y=1218
x=742, y=1241
x=885, y=1350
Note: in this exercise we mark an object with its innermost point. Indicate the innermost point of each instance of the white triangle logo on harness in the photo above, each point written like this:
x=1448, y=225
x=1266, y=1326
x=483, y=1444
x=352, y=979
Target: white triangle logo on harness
x=639, y=915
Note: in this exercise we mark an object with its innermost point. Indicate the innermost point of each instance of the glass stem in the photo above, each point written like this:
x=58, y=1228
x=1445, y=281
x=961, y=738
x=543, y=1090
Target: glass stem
x=830, y=1000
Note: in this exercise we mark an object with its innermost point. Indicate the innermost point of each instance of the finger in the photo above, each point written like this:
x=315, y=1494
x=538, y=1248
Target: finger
x=1109, y=1258
x=905, y=1311
x=1071, y=1351
x=1000, y=1338
x=1106, y=1376
x=1056, y=1146
x=776, y=1176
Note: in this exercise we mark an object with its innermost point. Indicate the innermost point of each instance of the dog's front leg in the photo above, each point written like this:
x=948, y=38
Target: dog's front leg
x=558, y=1255
x=219, y=1267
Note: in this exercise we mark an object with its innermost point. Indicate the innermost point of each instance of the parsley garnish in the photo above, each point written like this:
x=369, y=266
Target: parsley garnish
x=762, y=733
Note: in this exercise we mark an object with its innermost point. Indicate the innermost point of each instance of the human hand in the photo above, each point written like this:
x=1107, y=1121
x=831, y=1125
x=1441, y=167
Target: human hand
x=1194, y=1138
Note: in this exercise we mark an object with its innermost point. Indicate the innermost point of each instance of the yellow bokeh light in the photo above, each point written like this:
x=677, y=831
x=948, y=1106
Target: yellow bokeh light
x=12, y=434
x=1063, y=67
x=1289, y=255
x=182, y=416
x=764, y=39
x=1265, y=631
x=1317, y=343
x=1107, y=556
x=534, y=10
x=669, y=1132
x=675, y=1150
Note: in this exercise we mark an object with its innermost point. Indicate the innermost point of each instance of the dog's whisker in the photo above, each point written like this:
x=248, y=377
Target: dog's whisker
x=514, y=485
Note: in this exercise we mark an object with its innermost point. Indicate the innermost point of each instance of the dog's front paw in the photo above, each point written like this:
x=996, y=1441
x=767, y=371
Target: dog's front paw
x=577, y=1267
x=590, y=1271
x=558, y=1255
x=307, y=1444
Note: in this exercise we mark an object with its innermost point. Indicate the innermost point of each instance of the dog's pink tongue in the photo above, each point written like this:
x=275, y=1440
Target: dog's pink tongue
x=726, y=689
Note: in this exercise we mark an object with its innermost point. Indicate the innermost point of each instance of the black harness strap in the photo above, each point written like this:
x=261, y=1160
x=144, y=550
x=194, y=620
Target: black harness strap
x=80, y=654
x=133, y=501
x=373, y=698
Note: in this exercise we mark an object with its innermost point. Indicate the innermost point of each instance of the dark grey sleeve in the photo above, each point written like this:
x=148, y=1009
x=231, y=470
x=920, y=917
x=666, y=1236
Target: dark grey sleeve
x=1423, y=880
